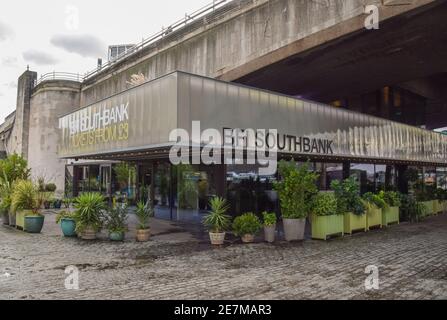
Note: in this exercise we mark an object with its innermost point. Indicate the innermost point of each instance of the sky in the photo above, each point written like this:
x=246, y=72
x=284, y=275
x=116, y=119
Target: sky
x=70, y=36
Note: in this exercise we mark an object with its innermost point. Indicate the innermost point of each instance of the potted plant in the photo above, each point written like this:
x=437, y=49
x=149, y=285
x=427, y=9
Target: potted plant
x=411, y=209
x=326, y=218
x=269, y=226
x=67, y=222
x=26, y=201
x=88, y=214
x=350, y=204
x=143, y=212
x=67, y=202
x=13, y=168
x=217, y=221
x=5, y=204
x=57, y=204
x=374, y=206
x=295, y=190
x=115, y=222
x=50, y=187
x=247, y=227
x=390, y=214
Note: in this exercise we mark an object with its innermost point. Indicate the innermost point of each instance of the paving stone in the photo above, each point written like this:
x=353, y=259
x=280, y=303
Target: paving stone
x=412, y=262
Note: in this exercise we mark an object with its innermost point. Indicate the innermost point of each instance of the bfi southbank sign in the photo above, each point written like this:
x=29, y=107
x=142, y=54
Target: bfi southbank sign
x=240, y=147
x=272, y=140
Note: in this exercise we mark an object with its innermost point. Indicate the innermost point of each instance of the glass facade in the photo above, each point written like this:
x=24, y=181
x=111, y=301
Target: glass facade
x=182, y=193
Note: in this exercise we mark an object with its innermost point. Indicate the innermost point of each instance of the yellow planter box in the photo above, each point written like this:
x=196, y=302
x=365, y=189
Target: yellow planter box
x=437, y=207
x=20, y=218
x=390, y=215
x=429, y=208
x=325, y=226
x=354, y=222
x=374, y=218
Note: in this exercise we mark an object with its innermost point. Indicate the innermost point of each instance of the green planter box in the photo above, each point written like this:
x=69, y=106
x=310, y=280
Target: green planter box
x=354, y=222
x=325, y=226
x=429, y=206
x=437, y=207
x=390, y=215
x=374, y=218
x=20, y=218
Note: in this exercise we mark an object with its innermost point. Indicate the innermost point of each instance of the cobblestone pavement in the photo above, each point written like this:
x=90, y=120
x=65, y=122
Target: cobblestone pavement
x=412, y=259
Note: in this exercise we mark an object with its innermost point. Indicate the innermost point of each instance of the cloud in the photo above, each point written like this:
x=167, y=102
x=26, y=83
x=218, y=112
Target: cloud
x=39, y=57
x=11, y=85
x=10, y=62
x=5, y=32
x=84, y=45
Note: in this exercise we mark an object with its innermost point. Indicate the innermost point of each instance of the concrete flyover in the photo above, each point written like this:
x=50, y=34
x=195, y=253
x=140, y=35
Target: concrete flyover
x=245, y=37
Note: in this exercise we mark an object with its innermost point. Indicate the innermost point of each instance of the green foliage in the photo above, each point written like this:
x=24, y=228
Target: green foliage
x=441, y=194
x=144, y=212
x=325, y=204
x=14, y=168
x=348, y=197
x=411, y=210
x=116, y=218
x=124, y=173
x=269, y=218
x=217, y=221
x=248, y=223
x=391, y=198
x=26, y=196
x=296, y=189
x=374, y=201
x=67, y=202
x=50, y=187
x=64, y=215
x=89, y=211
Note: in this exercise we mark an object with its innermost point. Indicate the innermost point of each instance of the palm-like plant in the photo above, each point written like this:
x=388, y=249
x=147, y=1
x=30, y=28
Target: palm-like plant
x=144, y=212
x=89, y=211
x=217, y=221
x=26, y=196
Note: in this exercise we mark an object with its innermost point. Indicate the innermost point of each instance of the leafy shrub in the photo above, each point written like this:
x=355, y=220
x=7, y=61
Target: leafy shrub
x=374, y=200
x=248, y=223
x=217, y=221
x=89, y=211
x=116, y=218
x=325, y=204
x=391, y=198
x=348, y=197
x=269, y=218
x=64, y=215
x=296, y=189
x=50, y=187
x=411, y=209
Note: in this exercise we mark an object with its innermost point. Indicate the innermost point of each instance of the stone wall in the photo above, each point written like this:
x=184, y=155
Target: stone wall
x=50, y=100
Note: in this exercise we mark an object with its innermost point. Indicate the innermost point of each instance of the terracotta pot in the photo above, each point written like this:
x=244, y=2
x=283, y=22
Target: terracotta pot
x=89, y=234
x=248, y=238
x=269, y=233
x=143, y=235
x=294, y=229
x=217, y=239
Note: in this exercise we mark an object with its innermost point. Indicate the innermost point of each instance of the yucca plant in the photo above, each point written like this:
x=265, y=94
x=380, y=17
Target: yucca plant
x=217, y=221
x=89, y=211
x=144, y=212
x=26, y=196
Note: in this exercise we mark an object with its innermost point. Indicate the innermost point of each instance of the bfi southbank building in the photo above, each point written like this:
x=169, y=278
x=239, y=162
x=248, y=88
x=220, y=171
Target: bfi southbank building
x=181, y=139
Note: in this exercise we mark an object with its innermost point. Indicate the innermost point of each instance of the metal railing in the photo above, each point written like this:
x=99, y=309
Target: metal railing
x=170, y=32
x=188, y=19
x=59, y=76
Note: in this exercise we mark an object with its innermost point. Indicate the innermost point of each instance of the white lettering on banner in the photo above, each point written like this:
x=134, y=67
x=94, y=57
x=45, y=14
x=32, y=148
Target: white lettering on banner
x=86, y=120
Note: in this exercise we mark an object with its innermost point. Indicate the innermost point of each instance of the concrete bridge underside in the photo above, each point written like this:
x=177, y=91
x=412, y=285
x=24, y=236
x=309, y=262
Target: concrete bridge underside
x=317, y=49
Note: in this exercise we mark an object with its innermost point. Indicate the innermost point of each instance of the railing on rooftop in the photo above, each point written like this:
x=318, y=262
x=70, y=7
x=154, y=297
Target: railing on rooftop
x=165, y=32
x=188, y=19
x=59, y=76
